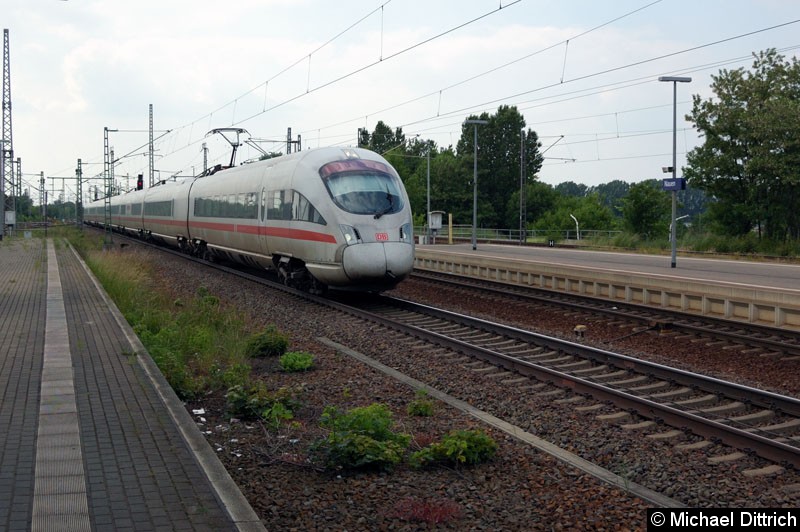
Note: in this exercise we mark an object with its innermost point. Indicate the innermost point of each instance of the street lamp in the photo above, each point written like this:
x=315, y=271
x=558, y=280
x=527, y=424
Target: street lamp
x=675, y=80
x=673, y=223
x=577, y=227
x=475, y=123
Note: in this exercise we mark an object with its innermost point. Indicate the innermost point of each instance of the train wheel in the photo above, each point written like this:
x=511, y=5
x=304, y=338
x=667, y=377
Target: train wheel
x=284, y=275
x=317, y=288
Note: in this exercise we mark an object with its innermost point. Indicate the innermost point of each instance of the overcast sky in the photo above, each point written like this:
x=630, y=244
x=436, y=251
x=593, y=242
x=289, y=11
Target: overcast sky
x=583, y=73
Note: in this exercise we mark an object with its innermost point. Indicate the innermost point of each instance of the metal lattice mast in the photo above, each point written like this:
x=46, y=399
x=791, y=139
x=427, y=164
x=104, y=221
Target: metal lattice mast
x=152, y=166
x=107, y=183
x=7, y=186
x=19, y=178
x=79, y=196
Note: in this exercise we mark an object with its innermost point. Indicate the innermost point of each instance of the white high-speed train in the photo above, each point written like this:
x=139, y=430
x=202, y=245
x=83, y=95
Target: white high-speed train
x=327, y=217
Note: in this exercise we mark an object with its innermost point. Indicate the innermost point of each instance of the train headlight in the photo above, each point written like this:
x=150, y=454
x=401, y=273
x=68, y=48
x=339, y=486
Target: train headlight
x=406, y=233
x=350, y=233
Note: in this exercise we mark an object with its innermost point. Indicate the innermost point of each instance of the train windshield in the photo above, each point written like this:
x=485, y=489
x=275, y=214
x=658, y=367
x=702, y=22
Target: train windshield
x=363, y=187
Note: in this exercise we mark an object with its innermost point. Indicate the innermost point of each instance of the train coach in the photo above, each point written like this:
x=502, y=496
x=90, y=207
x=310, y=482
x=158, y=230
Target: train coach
x=327, y=217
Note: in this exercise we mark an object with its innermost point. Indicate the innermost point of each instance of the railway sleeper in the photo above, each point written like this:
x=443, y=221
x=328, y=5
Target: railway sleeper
x=669, y=435
x=696, y=402
x=570, y=400
x=616, y=417
x=633, y=380
x=476, y=336
x=589, y=371
x=734, y=406
x=612, y=375
x=580, y=364
x=499, y=375
x=702, y=444
x=650, y=387
x=543, y=356
x=769, y=470
x=555, y=361
x=792, y=425
x=444, y=328
x=672, y=394
x=552, y=393
x=524, y=351
x=638, y=426
x=504, y=342
x=731, y=457
x=753, y=418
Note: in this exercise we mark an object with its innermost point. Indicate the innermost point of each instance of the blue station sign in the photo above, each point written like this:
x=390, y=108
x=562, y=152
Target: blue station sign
x=674, y=184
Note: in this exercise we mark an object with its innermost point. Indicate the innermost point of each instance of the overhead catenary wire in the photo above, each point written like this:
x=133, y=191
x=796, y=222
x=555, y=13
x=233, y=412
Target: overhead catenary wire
x=340, y=78
x=454, y=113
x=499, y=67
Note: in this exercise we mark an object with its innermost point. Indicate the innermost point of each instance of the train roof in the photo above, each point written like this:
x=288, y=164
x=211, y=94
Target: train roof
x=314, y=158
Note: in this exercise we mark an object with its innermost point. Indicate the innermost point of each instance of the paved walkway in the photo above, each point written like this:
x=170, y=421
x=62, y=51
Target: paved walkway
x=91, y=436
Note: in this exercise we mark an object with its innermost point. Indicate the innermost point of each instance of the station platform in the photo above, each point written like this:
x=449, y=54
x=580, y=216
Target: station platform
x=738, y=290
x=91, y=435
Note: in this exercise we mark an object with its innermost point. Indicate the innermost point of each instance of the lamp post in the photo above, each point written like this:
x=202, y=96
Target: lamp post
x=672, y=225
x=577, y=227
x=675, y=80
x=428, y=211
x=475, y=123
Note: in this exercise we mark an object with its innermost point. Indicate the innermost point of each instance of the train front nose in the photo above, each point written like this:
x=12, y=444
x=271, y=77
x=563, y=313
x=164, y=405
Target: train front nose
x=378, y=262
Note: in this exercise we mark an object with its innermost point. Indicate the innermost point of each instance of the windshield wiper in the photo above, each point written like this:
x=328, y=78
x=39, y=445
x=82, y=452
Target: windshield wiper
x=387, y=209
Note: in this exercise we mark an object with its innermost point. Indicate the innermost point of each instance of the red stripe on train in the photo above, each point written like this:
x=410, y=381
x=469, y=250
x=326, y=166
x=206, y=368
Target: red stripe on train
x=278, y=232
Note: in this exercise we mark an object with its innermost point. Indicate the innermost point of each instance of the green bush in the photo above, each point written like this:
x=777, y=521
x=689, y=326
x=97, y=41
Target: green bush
x=236, y=374
x=254, y=400
x=296, y=361
x=271, y=342
x=421, y=406
x=456, y=448
x=275, y=414
x=361, y=438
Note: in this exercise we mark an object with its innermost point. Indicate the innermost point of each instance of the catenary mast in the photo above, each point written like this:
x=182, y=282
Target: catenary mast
x=7, y=184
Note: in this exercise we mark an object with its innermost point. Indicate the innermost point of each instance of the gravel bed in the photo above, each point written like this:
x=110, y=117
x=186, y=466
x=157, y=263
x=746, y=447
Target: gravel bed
x=521, y=489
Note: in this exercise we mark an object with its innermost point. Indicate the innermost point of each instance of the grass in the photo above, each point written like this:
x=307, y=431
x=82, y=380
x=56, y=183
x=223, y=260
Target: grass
x=198, y=344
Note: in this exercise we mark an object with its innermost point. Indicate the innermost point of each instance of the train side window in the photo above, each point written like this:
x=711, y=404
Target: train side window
x=304, y=210
x=274, y=205
x=250, y=208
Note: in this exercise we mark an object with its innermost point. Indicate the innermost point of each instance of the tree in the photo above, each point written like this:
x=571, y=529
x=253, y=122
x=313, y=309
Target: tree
x=647, y=209
x=749, y=159
x=591, y=214
x=571, y=188
x=539, y=199
x=498, y=162
x=383, y=139
x=611, y=195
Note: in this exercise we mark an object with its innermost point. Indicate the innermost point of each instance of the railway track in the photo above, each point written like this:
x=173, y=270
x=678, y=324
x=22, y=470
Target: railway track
x=748, y=419
x=752, y=338
x=745, y=418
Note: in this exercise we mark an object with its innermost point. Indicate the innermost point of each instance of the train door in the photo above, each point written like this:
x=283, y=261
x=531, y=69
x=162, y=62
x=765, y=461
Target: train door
x=262, y=223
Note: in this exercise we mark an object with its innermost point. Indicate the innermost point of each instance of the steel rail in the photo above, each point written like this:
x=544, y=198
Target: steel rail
x=752, y=335
x=661, y=413
x=736, y=437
